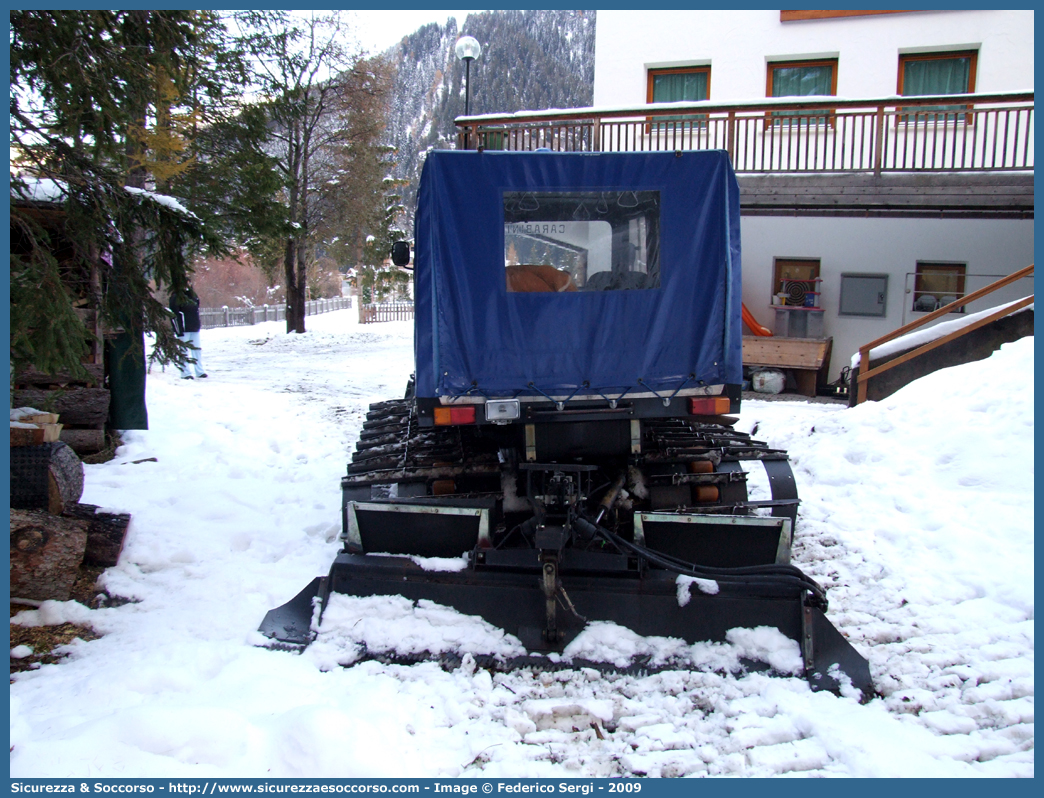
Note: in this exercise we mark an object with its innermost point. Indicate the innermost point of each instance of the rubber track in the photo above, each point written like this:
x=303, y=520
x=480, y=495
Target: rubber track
x=679, y=438
x=391, y=441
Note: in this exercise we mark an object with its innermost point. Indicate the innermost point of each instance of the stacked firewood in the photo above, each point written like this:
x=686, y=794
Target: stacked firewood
x=82, y=403
x=30, y=427
x=52, y=534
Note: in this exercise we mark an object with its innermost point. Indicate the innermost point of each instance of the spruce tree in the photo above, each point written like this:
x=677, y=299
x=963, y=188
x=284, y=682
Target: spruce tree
x=84, y=85
x=376, y=281
x=232, y=180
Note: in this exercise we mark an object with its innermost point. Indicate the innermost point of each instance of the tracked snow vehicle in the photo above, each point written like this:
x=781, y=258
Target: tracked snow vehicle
x=578, y=351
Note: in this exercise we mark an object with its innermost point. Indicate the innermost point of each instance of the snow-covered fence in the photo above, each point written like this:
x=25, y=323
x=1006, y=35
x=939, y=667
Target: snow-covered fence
x=238, y=317
x=387, y=311
x=317, y=306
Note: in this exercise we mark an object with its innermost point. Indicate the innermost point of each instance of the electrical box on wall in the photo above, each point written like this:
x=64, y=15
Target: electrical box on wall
x=863, y=295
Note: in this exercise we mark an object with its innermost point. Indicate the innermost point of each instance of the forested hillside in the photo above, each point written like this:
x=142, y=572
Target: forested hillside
x=530, y=60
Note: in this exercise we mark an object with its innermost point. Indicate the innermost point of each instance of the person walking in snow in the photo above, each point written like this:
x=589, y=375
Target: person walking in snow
x=186, y=327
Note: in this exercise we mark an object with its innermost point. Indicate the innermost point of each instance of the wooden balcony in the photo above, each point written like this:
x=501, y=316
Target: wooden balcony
x=981, y=132
x=971, y=155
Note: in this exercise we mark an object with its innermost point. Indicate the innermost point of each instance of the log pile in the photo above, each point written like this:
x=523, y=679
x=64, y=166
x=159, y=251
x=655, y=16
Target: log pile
x=46, y=552
x=45, y=472
x=30, y=427
x=82, y=404
x=52, y=534
x=106, y=534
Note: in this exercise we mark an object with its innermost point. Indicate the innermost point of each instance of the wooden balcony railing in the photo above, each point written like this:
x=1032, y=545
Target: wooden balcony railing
x=969, y=132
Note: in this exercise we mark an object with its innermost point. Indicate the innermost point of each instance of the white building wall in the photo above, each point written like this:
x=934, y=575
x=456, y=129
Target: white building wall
x=990, y=248
x=738, y=44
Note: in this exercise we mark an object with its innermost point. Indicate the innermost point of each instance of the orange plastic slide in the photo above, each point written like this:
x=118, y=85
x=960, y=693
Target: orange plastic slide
x=752, y=323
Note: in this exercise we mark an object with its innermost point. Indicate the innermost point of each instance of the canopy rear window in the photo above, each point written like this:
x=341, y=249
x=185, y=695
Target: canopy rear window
x=581, y=241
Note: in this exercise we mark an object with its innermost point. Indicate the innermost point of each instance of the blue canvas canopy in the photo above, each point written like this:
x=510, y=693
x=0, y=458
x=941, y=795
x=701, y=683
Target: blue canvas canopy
x=640, y=258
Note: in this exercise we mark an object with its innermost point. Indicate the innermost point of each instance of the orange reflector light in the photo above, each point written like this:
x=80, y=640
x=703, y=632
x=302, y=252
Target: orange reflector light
x=706, y=493
x=701, y=467
x=443, y=487
x=709, y=405
x=445, y=416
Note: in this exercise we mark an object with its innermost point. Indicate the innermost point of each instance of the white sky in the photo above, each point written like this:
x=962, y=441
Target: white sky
x=379, y=30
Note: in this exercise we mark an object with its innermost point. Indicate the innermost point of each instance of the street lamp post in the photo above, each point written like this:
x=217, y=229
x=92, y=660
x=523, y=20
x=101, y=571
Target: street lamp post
x=467, y=49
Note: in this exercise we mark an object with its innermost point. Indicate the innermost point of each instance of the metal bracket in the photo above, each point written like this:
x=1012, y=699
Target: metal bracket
x=784, y=488
x=807, y=639
x=549, y=586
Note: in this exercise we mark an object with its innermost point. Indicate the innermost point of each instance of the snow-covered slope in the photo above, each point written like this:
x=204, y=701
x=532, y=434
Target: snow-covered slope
x=917, y=514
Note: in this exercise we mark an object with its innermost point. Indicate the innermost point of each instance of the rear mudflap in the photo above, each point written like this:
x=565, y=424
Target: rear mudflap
x=649, y=605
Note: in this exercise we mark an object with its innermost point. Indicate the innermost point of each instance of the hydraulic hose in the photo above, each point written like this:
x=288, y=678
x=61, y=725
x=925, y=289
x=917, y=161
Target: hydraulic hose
x=610, y=497
x=753, y=576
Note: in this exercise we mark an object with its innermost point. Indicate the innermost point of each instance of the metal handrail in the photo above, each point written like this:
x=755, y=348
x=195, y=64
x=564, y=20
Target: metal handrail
x=864, y=351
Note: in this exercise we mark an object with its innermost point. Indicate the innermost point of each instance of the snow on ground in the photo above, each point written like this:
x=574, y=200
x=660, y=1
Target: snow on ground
x=917, y=514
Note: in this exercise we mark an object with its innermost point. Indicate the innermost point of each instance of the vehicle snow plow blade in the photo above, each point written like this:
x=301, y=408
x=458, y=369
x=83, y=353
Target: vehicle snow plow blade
x=509, y=595
x=289, y=625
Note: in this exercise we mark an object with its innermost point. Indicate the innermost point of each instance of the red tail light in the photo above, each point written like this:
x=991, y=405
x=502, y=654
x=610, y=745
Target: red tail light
x=709, y=405
x=453, y=416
